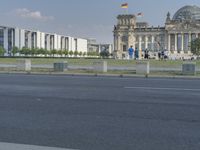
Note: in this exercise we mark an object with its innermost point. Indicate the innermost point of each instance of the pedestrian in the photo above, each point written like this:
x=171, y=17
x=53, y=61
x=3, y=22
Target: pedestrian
x=159, y=55
x=162, y=54
x=136, y=53
x=131, y=52
x=146, y=54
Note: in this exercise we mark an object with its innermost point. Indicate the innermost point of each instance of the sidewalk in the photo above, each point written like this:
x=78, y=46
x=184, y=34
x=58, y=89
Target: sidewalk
x=101, y=75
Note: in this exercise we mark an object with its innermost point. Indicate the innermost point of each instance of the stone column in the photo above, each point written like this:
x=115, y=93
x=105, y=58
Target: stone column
x=29, y=39
x=169, y=42
x=146, y=42
x=12, y=41
x=196, y=34
x=13, y=38
x=63, y=43
x=190, y=37
x=175, y=45
x=119, y=50
x=99, y=48
x=52, y=42
x=5, y=34
x=131, y=40
x=48, y=42
x=35, y=40
x=118, y=43
x=140, y=43
x=189, y=42
x=152, y=42
x=182, y=42
x=66, y=43
x=115, y=43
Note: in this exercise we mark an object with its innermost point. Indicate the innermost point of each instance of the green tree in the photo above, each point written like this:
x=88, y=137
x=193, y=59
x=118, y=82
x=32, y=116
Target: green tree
x=104, y=54
x=41, y=51
x=60, y=52
x=195, y=46
x=89, y=53
x=34, y=51
x=65, y=52
x=2, y=51
x=53, y=52
x=84, y=54
x=22, y=51
x=80, y=53
x=46, y=52
x=15, y=50
x=25, y=51
x=75, y=53
x=71, y=53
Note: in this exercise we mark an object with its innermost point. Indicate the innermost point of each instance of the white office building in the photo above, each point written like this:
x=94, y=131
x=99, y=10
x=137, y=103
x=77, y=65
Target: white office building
x=14, y=37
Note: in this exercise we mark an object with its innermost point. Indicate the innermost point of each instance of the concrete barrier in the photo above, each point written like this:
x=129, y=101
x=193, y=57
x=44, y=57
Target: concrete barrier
x=142, y=67
x=100, y=66
x=189, y=68
x=24, y=65
x=60, y=66
x=14, y=146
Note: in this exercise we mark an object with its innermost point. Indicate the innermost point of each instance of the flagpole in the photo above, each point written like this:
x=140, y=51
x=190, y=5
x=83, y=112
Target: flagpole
x=125, y=7
x=139, y=15
x=127, y=11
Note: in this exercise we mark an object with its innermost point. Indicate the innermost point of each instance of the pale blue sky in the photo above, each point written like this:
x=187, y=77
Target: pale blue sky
x=83, y=18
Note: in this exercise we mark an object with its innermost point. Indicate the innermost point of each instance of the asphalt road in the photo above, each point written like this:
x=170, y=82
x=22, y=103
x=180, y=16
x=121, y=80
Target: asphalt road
x=100, y=113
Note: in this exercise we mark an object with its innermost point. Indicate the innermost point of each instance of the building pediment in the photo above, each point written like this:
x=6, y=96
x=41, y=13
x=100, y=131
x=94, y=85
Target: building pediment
x=183, y=27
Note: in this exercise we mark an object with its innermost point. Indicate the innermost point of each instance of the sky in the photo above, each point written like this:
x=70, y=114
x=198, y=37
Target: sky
x=83, y=18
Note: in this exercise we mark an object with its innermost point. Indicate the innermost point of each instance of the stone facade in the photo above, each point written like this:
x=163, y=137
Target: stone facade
x=175, y=36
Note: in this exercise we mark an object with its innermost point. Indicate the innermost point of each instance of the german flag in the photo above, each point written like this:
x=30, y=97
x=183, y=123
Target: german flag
x=125, y=5
x=140, y=14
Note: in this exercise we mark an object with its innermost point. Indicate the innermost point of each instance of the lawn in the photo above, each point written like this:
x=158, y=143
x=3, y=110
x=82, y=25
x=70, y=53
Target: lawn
x=89, y=62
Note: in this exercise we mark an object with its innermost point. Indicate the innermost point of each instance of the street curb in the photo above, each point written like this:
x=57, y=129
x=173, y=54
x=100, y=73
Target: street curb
x=101, y=75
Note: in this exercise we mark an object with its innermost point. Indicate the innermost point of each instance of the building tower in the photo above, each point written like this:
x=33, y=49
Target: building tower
x=124, y=35
x=168, y=19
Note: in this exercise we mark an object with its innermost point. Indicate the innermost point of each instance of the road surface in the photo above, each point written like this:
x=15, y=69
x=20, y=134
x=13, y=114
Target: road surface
x=100, y=113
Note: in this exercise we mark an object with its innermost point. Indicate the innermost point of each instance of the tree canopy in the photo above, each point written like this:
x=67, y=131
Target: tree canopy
x=2, y=51
x=195, y=46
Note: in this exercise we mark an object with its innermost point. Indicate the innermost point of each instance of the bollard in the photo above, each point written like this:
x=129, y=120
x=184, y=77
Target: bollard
x=24, y=65
x=100, y=66
x=189, y=68
x=60, y=66
x=142, y=68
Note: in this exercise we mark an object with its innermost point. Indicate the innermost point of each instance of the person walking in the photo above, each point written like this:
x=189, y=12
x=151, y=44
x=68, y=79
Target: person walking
x=159, y=55
x=136, y=53
x=146, y=54
x=131, y=52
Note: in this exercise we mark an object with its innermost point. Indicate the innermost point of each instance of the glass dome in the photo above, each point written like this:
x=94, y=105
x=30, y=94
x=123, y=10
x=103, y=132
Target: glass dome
x=187, y=13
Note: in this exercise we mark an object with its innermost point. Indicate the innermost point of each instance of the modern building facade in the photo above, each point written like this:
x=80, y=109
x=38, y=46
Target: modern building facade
x=14, y=37
x=175, y=36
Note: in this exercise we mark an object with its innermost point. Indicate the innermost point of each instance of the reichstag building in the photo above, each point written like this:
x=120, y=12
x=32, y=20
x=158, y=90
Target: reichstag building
x=175, y=36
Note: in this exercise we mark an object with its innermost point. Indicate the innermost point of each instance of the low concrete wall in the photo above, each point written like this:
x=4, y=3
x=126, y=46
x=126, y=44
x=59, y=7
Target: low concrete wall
x=100, y=66
x=189, y=68
x=142, y=67
x=24, y=65
x=60, y=66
